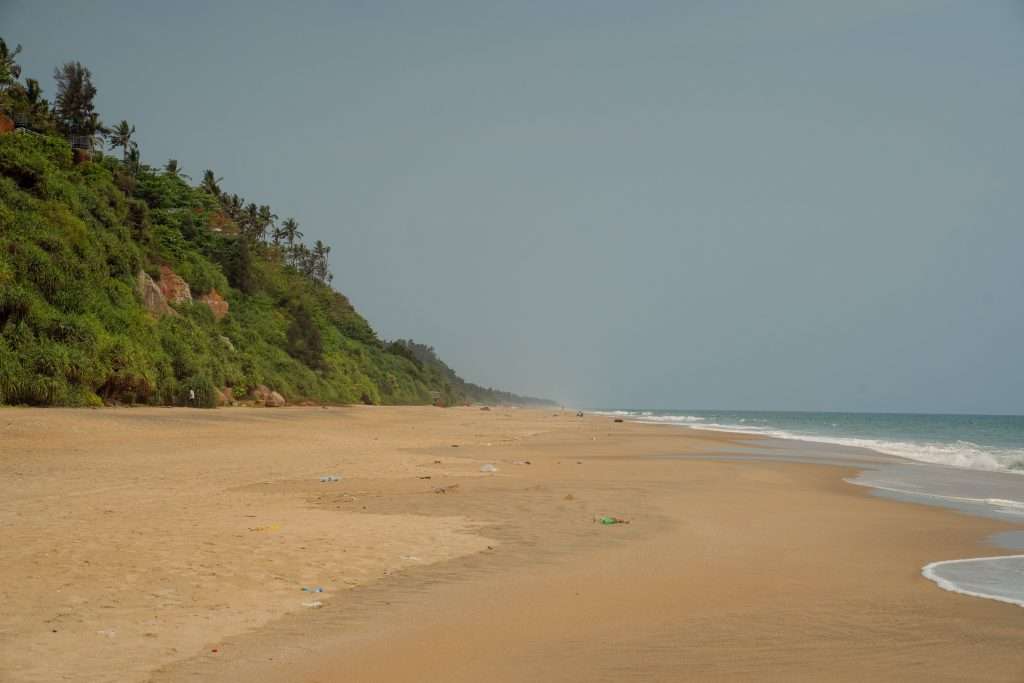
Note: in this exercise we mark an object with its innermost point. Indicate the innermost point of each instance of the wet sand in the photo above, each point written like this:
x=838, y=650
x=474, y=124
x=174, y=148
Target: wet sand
x=172, y=545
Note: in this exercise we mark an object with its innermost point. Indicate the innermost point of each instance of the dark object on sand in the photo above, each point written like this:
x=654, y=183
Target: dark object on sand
x=579, y=414
x=455, y=445
x=426, y=477
x=618, y=419
x=485, y=408
x=446, y=489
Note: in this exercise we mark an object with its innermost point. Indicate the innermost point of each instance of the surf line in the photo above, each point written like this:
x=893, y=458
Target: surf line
x=929, y=572
x=1005, y=505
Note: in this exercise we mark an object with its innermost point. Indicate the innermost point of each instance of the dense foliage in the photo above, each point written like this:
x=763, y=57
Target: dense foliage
x=78, y=237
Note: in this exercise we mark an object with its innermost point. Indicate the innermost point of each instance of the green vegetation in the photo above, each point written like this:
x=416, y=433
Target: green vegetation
x=81, y=239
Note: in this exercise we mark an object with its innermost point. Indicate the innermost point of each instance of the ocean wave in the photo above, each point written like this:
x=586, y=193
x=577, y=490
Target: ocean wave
x=995, y=578
x=1005, y=505
x=965, y=454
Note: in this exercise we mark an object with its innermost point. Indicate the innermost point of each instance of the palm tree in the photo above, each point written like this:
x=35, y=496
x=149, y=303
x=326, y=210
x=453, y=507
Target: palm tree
x=121, y=136
x=133, y=160
x=320, y=253
x=172, y=169
x=266, y=219
x=210, y=183
x=290, y=231
x=251, y=221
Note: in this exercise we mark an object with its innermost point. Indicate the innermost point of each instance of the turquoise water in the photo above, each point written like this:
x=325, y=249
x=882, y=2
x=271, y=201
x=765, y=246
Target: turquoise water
x=986, y=442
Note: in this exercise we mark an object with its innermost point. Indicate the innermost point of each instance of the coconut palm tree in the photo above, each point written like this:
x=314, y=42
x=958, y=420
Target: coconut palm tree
x=211, y=183
x=172, y=169
x=121, y=136
x=266, y=219
x=290, y=231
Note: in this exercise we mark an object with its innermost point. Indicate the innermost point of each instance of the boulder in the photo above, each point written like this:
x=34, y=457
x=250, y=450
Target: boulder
x=260, y=393
x=217, y=304
x=152, y=297
x=6, y=124
x=275, y=400
x=173, y=287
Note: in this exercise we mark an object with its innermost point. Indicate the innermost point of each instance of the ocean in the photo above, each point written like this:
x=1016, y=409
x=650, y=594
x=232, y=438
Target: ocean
x=984, y=442
x=970, y=463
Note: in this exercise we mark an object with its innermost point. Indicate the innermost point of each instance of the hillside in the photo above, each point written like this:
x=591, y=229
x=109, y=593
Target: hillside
x=122, y=283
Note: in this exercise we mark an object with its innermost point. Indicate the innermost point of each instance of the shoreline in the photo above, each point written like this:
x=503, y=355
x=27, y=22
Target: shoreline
x=412, y=567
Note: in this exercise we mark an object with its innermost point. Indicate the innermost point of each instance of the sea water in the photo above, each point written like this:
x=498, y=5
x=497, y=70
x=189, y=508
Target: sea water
x=985, y=442
x=971, y=463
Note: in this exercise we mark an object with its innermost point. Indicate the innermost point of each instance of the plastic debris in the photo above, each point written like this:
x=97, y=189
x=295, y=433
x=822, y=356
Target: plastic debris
x=521, y=462
x=488, y=468
x=316, y=604
x=607, y=520
x=329, y=478
x=318, y=589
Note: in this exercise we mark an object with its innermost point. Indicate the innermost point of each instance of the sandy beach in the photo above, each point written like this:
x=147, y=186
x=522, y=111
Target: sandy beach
x=174, y=545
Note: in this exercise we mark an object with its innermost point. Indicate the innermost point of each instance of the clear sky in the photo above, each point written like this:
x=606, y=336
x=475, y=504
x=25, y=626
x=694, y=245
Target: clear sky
x=799, y=204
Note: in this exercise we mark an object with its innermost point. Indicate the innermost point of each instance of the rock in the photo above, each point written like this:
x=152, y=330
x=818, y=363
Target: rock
x=6, y=124
x=224, y=397
x=217, y=304
x=259, y=392
x=173, y=287
x=263, y=394
x=152, y=298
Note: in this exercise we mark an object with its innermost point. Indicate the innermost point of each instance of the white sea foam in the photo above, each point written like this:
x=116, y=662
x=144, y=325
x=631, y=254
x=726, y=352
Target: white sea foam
x=996, y=578
x=956, y=454
x=1005, y=505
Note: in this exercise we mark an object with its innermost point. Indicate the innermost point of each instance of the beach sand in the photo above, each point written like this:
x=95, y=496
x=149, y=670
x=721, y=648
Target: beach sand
x=173, y=545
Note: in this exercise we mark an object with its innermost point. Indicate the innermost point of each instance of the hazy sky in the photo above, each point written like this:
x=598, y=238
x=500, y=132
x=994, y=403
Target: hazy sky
x=797, y=204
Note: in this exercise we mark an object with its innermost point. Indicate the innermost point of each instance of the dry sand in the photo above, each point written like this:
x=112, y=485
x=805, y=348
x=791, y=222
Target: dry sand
x=172, y=545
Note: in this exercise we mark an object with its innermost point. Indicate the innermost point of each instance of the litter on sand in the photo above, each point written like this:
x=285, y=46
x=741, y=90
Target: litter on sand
x=316, y=604
x=488, y=468
x=328, y=478
x=607, y=520
x=521, y=462
x=318, y=589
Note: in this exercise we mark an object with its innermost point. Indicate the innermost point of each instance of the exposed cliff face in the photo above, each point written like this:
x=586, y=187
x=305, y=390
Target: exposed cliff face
x=216, y=302
x=173, y=287
x=152, y=297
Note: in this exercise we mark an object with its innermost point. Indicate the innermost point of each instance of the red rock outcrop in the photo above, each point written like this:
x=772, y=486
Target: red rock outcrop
x=6, y=124
x=216, y=302
x=173, y=287
x=152, y=298
x=264, y=395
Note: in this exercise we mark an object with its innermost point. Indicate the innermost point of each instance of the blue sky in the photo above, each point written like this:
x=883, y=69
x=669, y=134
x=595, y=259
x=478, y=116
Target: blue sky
x=787, y=205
